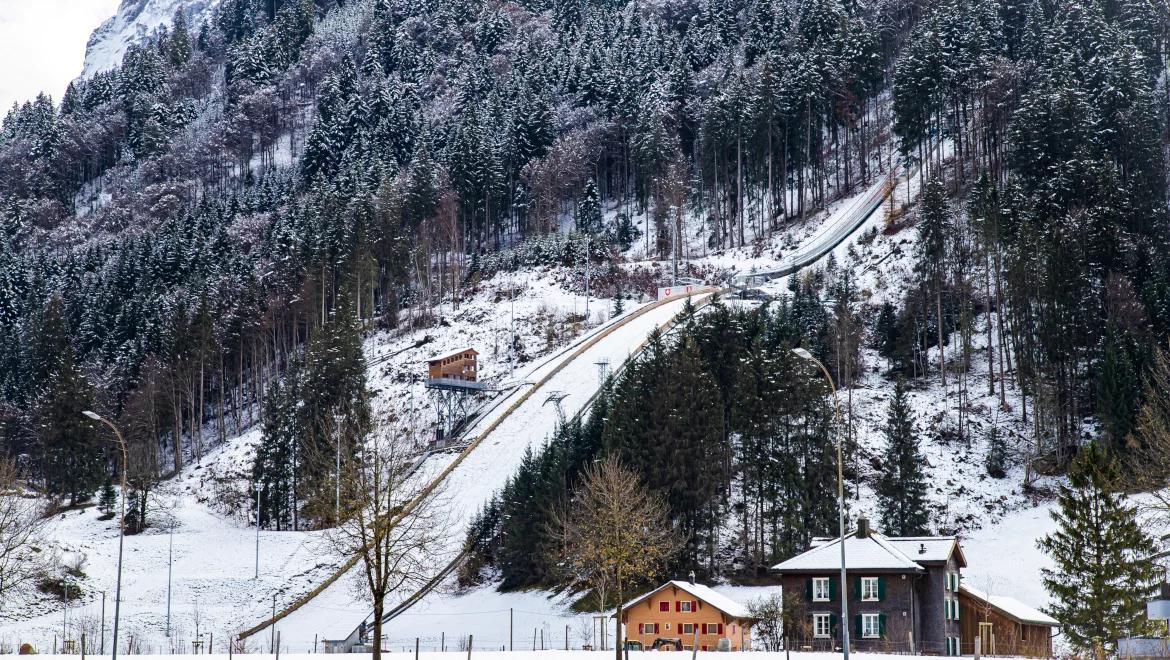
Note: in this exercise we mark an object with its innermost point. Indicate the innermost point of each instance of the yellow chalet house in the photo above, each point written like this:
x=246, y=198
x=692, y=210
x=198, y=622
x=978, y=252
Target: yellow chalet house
x=669, y=616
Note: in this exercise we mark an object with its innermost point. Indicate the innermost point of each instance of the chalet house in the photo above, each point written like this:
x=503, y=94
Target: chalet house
x=677, y=610
x=903, y=593
x=1003, y=625
x=456, y=365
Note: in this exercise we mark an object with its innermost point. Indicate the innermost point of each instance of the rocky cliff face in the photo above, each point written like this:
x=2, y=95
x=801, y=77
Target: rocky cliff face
x=134, y=22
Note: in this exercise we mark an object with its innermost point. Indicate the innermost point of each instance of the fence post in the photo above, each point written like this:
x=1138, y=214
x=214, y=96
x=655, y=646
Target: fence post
x=470, y=643
x=443, y=641
x=566, y=637
x=509, y=629
x=314, y=642
x=277, y=645
x=534, y=639
x=978, y=646
x=415, y=648
x=82, y=646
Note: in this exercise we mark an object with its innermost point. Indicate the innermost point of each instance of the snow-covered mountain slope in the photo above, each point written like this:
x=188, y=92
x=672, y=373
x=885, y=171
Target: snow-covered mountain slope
x=133, y=23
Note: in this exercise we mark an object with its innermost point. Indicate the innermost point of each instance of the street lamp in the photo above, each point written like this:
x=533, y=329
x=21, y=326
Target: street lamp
x=121, y=523
x=805, y=355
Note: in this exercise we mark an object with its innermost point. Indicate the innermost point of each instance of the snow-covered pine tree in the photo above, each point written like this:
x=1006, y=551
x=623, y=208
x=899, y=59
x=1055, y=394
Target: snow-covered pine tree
x=901, y=484
x=1103, y=572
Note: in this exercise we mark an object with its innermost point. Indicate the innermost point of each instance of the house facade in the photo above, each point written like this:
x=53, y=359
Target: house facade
x=678, y=610
x=1002, y=625
x=458, y=365
x=903, y=593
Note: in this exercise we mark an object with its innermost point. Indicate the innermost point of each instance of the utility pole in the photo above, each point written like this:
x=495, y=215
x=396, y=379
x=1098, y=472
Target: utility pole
x=338, y=496
x=121, y=524
x=587, y=292
x=512, y=346
x=65, y=618
x=103, y=643
x=170, y=562
x=272, y=637
x=805, y=355
x=256, y=576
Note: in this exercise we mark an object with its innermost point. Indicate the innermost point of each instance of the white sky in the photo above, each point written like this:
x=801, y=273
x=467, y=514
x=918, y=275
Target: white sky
x=42, y=45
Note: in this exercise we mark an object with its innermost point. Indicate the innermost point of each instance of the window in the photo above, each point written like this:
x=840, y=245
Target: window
x=685, y=606
x=712, y=628
x=951, y=609
x=869, y=589
x=687, y=628
x=649, y=628
x=664, y=606
x=820, y=589
x=822, y=625
x=871, y=625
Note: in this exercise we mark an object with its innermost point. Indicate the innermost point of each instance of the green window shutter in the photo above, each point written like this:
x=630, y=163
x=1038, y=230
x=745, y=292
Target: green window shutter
x=956, y=608
x=832, y=588
x=832, y=623
x=881, y=588
x=808, y=589
x=882, y=625
x=857, y=587
x=858, y=631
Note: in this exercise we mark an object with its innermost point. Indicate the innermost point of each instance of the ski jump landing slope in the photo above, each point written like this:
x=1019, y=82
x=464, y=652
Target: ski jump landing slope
x=500, y=438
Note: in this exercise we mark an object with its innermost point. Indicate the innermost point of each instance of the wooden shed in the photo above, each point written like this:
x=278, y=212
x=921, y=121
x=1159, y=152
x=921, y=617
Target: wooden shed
x=1004, y=625
x=456, y=365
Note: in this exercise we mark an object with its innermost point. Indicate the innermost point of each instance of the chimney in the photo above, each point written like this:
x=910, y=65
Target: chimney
x=692, y=576
x=862, y=528
x=921, y=548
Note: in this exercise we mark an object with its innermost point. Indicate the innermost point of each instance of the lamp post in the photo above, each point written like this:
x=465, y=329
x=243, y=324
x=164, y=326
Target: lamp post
x=805, y=355
x=121, y=524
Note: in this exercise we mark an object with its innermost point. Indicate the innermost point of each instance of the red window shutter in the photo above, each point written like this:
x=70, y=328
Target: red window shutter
x=721, y=629
x=677, y=606
x=656, y=629
x=664, y=606
x=694, y=606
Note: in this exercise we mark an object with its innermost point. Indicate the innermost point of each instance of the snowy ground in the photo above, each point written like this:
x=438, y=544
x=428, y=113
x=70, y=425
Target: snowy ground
x=547, y=654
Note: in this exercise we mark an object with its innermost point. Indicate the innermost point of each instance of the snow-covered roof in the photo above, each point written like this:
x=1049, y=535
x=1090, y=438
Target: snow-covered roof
x=928, y=548
x=1011, y=607
x=871, y=552
x=703, y=593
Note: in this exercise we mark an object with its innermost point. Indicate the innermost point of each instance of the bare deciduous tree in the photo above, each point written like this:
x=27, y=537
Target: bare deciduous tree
x=21, y=559
x=393, y=523
x=1148, y=455
x=613, y=533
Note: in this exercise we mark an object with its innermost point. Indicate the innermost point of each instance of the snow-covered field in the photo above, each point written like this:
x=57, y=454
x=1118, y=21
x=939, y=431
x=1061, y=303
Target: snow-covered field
x=520, y=654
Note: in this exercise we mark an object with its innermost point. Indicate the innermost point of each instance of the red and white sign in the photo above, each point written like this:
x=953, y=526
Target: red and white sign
x=671, y=291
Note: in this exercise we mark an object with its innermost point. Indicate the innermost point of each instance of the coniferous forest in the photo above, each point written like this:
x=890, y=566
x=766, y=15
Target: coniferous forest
x=196, y=241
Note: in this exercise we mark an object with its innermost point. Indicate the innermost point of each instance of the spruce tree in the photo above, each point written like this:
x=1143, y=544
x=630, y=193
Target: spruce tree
x=901, y=486
x=589, y=210
x=107, y=500
x=996, y=459
x=71, y=449
x=1103, y=572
